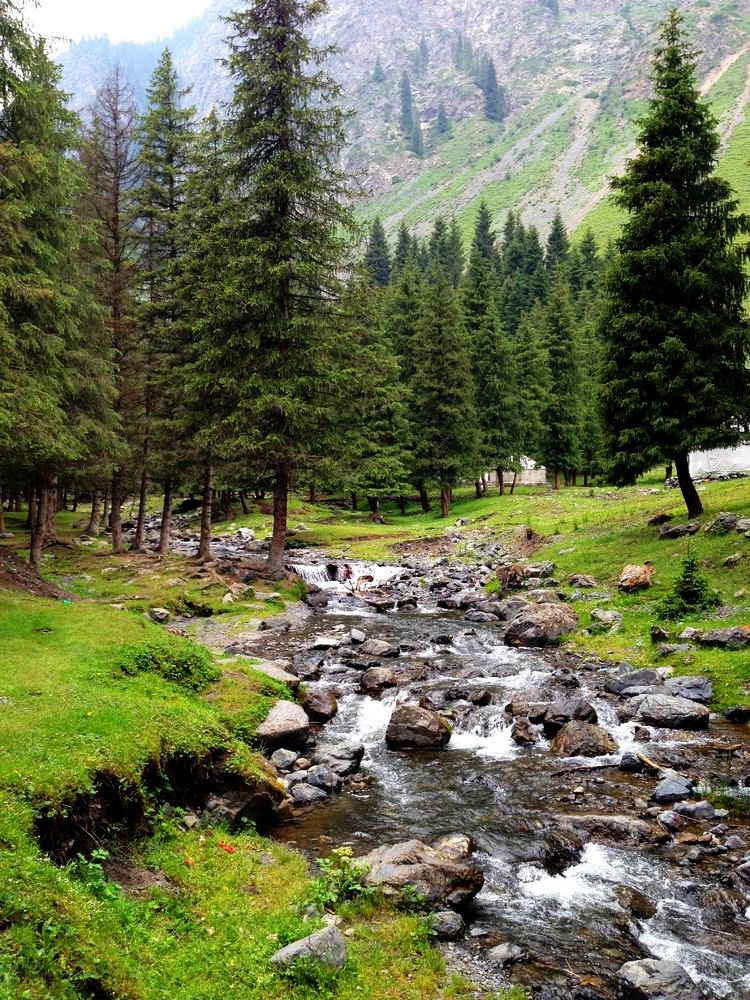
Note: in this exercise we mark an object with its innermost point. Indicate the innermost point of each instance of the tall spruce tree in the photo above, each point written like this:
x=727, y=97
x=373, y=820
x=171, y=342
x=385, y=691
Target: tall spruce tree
x=675, y=368
x=495, y=97
x=378, y=255
x=558, y=244
x=442, y=125
x=163, y=135
x=416, y=137
x=533, y=375
x=402, y=249
x=407, y=107
x=294, y=228
x=560, y=444
x=446, y=436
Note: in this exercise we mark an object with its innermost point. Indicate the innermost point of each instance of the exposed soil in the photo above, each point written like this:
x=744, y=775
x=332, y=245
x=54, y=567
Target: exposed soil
x=135, y=880
x=17, y=575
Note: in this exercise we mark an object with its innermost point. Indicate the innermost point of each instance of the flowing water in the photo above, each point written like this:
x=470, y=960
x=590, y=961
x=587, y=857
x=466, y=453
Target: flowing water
x=510, y=799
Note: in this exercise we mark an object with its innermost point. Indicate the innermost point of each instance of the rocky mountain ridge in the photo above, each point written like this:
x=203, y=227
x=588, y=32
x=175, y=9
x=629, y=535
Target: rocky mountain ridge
x=576, y=73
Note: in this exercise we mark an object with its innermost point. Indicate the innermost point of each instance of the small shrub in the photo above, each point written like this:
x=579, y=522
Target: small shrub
x=173, y=658
x=341, y=879
x=691, y=592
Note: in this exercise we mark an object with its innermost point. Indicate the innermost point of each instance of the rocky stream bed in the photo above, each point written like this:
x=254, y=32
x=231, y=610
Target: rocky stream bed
x=582, y=853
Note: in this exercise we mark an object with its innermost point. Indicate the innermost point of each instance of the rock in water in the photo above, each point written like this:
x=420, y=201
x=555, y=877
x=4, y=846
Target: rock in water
x=654, y=979
x=582, y=739
x=540, y=625
x=326, y=947
x=567, y=710
x=444, y=874
x=320, y=704
x=668, y=712
x=286, y=725
x=344, y=758
x=414, y=728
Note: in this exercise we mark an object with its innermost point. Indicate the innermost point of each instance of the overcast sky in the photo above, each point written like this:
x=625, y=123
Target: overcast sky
x=129, y=20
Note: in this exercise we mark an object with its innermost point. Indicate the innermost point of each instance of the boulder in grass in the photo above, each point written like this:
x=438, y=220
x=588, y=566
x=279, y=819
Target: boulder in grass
x=634, y=577
x=286, y=725
x=736, y=637
x=326, y=948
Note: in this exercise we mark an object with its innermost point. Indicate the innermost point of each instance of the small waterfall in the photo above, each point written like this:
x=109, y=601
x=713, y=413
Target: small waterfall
x=346, y=576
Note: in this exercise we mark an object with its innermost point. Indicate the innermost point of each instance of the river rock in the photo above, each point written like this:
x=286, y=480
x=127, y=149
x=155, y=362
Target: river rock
x=326, y=642
x=738, y=713
x=735, y=637
x=505, y=954
x=634, y=577
x=620, y=831
x=522, y=733
x=582, y=739
x=344, y=757
x=412, y=727
x=567, y=710
x=304, y=794
x=697, y=810
x=510, y=607
x=672, y=790
x=357, y=636
x=669, y=712
x=320, y=776
x=375, y=679
x=286, y=725
x=541, y=625
x=635, y=902
x=320, y=704
x=380, y=602
x=326, y=947
x=448, y=925
x=656, y=979
x=277, y=673
x=444, y=873
x=694, y=688
x=284, y=760
x=379, y=648
x=622, y=684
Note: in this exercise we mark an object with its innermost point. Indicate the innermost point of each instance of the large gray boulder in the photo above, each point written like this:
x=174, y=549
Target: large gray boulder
x=656, y=979
x=735, y=637
x=319, y=704
x=566, y=710
x=581, y=739
x=541, y=625
x=412, y=727
x=694, y=688
x=344, y=757
x=443, y=873
x=326, y=948
x=277, y=672
x=669, y=712
x=286, y=725
x=378, y=647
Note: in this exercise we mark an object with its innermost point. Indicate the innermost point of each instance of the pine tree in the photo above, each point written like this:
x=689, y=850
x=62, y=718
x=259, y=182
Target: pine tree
x=495, y=97
x=163, y=134
x=590, y=362
x=558, y=245
x=424, y=55
x=442, y=125
x=445, y=427
x=560, y=445
x=378, y=74
x=446, y=249
x=378, y=255
x=533, y=375
x=484, y=238
x=407, y=107
x=294, y=228
x=112, y=173
x=403, y=312
x=401, y=250
x=676, y=339
x=416, y=140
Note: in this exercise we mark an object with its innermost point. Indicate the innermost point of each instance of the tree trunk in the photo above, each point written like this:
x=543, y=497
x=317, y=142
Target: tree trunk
x=74, y=506
x=2, y=512
x=204, y=546
x=17, y=505
x=500, y=481
x=243, y=501
x=424, y=499
x=668, y=472
x=165, y=532
x=37, y=532
x=115, y=515
x=574, y=479
x=445, y=502
x=374, y=505
x=312, y=495
x=275, y=564
x=402, y=504
x=105, y=509
x=585, y=479
x=49, y=526
x=31, y=514
x=354, y=499
x=478, y=489
x=226, y=505
x=557, y=479
x=484, y=484
x=687, y=487
x=140, y=528
x=93, y=527
x=513, y=484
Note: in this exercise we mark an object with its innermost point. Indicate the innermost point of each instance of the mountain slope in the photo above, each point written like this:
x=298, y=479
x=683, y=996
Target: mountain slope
x=576, y=77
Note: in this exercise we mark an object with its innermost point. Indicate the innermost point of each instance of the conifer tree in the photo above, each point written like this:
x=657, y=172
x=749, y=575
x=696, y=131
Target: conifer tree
x=378, y=255
x=560, y=445
x=590, y=361
x=675, y=337
x=533, y=379
x=442, y=125
x=403, y=312
x=558, y=245
x=446, y=437
x=424, y=55
x=378, y=74
x=484, y=238
x=293, y=228
x=416, y=139
x=407, y=107
x=495, y=97
x=401, y=250
x=163, y=135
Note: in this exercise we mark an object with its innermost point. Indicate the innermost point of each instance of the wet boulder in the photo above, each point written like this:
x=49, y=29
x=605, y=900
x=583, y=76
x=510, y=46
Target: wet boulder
x=304, y=794
x=320, y=704
x=582, y=739
x=505, y=954
x=286, y=725
x=541, y=625
x=635, y=902
x=326, y=948
x=656, y=979
x=284, y=760
x=694, y=688
x=444, y=873
x=567, y=710
x=739, y=714
x=412, y=727
x=344, y=758
x=735, y=637
x=672, y=789
x=635, y=679
x=636, y=577
x=448, y=925
x=510, y=607
x=375, y=679
x=532, y=704
x=320, y=776
x=522, y=733
x=669, y=712
x=378, y=648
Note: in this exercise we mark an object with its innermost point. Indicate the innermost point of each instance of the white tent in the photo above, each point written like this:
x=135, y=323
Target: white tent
x=720, y=461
